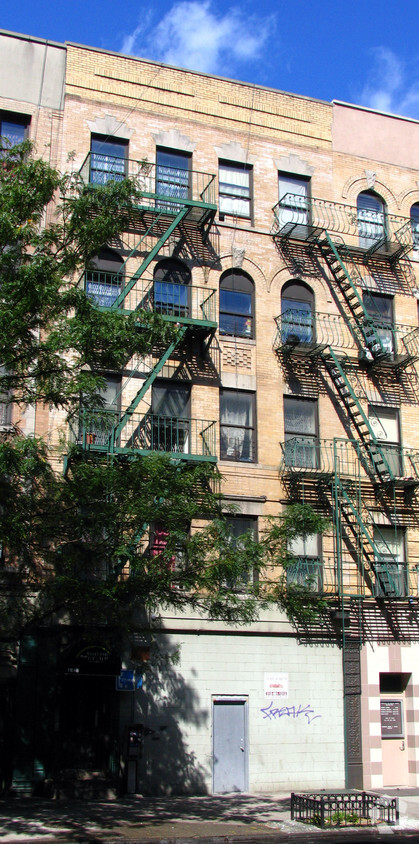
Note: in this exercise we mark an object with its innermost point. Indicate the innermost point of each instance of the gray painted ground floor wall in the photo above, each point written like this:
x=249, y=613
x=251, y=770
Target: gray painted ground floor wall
x=240, y=712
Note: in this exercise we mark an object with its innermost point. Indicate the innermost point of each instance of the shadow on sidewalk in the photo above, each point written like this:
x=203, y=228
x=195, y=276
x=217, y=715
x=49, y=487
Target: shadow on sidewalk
x=33, y=817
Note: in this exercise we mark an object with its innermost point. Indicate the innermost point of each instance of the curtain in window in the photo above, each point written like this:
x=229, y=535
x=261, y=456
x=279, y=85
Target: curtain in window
x=236, y=427
x=293, y=197
x=234, y=184
x=300, y=433
x=371, y=219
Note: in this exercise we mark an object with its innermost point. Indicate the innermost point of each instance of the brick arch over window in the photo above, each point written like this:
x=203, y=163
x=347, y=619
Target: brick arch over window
x=358, y=184
x=171, y=287
x=237, y=304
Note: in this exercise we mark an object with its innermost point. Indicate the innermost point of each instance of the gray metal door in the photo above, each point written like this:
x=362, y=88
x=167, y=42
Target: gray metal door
x=229, y=745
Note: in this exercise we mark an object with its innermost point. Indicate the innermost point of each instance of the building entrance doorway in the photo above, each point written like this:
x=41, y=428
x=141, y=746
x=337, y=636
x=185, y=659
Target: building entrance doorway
x=230, y=746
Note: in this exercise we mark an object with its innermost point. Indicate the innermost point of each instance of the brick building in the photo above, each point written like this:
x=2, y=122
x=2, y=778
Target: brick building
x=282, y=233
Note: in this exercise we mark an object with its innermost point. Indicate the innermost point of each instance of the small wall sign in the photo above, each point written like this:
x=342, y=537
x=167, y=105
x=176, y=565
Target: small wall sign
x=276, y=685
x=391, y=719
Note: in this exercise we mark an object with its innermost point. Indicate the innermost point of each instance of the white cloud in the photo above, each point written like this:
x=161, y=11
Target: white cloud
x=192, y=35
x=390, y=87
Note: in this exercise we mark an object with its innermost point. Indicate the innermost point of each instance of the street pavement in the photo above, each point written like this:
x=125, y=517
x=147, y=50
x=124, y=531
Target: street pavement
x=212, y=819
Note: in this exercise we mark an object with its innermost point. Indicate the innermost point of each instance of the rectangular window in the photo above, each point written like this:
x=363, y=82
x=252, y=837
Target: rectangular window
x=300, y=429
x=293, y=208
x=159, y=539
x=390, y=568
x=97, y=425
x=238, y=526
x=173, y=178
x=384, y=423
x=307, y=569
x=380, y=309
x=108, y=160
x=5, y=406
x=237, y=426
x=13, y=128
x=235, y=189
x=167, y=428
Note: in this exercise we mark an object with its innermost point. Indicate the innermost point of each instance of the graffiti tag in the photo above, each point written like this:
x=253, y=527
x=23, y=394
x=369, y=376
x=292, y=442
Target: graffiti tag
x=271, y=712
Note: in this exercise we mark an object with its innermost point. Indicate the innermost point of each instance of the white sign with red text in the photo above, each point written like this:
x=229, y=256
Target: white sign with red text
x=276, y=685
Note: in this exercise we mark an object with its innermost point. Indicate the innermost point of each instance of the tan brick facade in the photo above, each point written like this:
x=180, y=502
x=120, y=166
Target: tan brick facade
x=332, y=149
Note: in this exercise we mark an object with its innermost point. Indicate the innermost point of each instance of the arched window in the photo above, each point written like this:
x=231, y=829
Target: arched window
x=371, y=213
x=297, y=313
x=103, y=280
x=414, y=221
x=171, y=288
x=237, y=304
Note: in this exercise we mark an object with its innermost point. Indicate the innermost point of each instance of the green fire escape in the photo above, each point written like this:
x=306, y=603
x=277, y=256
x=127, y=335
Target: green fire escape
x=338, y=343
x=175, y=205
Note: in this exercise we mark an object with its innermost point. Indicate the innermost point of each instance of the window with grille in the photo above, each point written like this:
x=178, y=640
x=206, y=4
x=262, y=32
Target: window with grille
x=108, y=160
x=104, y=279
x=173, y=178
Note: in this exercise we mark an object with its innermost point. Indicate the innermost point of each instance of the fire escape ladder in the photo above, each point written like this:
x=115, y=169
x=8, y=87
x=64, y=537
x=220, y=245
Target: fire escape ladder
x=126, y=415
x=348, y=518
x=151, y=255
x=378, y=565
x=376, y=457
x=353, y=300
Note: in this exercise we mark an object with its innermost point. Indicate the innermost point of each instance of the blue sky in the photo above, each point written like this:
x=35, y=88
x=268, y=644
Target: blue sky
x=361, y=52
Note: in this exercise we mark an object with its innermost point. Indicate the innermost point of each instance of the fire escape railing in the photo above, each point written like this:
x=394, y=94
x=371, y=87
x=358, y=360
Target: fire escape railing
x=304, y=218
x=305, y=333
x=168, y=187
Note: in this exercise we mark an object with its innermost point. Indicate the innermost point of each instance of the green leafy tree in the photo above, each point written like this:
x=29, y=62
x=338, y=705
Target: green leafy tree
x=80, y=546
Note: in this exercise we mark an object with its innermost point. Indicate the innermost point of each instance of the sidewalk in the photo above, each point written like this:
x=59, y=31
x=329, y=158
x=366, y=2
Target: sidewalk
x=213, y=819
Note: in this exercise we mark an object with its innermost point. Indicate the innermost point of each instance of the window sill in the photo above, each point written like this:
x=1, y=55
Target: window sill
x=233, y=339
x=231, y=462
